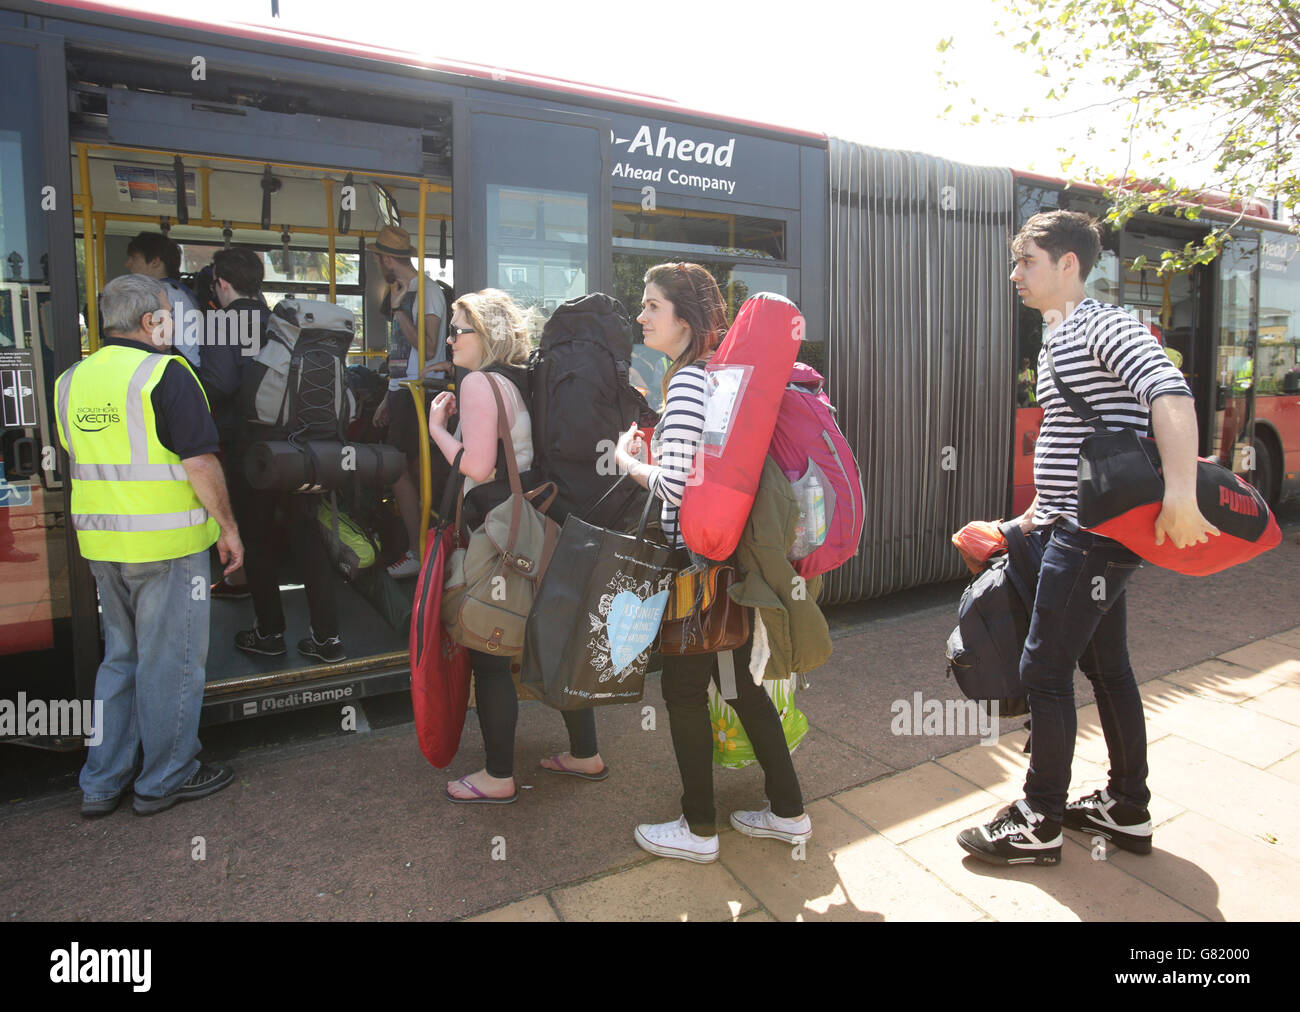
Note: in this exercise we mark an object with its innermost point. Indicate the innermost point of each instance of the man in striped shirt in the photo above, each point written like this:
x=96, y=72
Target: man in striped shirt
x=1111, y=360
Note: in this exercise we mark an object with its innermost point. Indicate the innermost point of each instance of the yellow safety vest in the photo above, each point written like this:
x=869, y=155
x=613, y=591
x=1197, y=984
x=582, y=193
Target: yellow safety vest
x=131, y=497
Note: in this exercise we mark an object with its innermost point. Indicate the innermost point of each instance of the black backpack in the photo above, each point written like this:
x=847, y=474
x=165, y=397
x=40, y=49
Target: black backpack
x=581, y=401
x=993, y=622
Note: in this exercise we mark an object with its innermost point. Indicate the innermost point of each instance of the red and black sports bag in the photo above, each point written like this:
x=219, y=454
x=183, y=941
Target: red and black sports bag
x=1122, y=489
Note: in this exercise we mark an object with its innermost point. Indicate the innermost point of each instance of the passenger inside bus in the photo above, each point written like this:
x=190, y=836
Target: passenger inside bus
x=155, y=255
x=392, y=252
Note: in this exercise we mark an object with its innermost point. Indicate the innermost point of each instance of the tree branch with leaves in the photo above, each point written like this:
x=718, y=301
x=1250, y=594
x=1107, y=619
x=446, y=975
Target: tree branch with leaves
x=1212, y=82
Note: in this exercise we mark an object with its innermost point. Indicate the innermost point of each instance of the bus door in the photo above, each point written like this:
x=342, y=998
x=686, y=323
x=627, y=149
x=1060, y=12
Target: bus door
x=313, y=226
x=43, y=654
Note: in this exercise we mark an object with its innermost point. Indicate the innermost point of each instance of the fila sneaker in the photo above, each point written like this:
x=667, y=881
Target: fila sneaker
x=675, y=839
x=1127, y=826
x=1018, y=835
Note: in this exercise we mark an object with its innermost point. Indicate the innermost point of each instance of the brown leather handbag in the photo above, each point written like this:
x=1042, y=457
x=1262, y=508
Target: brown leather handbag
x=701, y=617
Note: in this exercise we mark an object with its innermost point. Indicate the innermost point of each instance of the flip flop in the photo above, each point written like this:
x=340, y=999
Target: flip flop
x=482, y=798
x=575, y=773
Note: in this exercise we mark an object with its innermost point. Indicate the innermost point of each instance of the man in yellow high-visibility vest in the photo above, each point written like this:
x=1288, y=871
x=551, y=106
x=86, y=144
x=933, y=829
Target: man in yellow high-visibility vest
x=148, y=501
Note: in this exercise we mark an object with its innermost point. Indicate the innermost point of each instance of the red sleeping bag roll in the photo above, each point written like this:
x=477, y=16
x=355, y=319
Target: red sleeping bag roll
x=745, y=382
x=440, y=670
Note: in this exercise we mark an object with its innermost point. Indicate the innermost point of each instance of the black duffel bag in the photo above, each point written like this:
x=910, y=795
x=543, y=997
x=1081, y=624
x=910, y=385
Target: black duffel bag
x=993, y=622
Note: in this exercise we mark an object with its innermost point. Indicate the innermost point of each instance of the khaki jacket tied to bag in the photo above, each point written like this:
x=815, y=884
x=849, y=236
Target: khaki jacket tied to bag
x=797, y=633
x=493, y=576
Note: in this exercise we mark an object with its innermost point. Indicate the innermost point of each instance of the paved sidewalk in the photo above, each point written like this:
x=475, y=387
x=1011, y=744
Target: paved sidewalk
x=1225, y=756
x=357, y=829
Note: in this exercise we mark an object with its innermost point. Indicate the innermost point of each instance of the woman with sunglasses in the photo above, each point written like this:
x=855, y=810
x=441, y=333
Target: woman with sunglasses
x=684, y=316
x=489, y=338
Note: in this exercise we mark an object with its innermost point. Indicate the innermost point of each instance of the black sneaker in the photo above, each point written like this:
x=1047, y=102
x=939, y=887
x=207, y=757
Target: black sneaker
x=207, y=779
x=330, y=650
x=253, y=642
x=1126, y=826
x=1017, y=835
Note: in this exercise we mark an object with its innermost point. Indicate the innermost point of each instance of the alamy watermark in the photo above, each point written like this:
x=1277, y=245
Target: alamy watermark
x=212, y=328
x=75, y=965
x=57, y=718
x=945, y=717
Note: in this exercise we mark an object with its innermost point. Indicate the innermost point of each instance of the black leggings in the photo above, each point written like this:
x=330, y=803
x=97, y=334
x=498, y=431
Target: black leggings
x=498, y=711
x=686, y=694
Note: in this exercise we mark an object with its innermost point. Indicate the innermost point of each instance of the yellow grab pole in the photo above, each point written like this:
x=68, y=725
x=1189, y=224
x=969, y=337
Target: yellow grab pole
x=331, y=220
x=101, y=231
x=417, y=389
x=88, y=251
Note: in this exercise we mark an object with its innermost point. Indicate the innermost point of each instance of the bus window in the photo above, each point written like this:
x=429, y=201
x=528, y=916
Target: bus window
x=1277, y=364
x=1234, y=368
x=686, y=234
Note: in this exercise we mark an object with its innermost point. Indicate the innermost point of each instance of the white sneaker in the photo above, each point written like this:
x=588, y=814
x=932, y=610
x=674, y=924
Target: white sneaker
x=407, y=565
x=675, y=839
x=764, y=823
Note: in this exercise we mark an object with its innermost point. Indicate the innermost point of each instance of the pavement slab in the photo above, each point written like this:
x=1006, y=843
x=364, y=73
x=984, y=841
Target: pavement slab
x=846, y=872
x=1252, y=802
x=659, y=889
x=1240, y=731
x=1230, y=683
x=1222, y=875
x=1282, y=703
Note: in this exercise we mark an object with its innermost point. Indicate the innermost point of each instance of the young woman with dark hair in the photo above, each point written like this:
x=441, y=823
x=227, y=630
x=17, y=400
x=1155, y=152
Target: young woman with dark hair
x=684, y=316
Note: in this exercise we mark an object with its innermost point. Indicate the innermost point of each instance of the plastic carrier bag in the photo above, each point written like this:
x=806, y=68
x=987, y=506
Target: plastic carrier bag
x=731, y=747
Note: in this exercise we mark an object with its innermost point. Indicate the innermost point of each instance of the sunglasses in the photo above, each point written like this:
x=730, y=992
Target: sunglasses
x=456, y=332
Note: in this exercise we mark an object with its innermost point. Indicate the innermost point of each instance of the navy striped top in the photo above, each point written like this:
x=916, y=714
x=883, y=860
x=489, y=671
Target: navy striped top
x=1111, y=360
x=674, y=445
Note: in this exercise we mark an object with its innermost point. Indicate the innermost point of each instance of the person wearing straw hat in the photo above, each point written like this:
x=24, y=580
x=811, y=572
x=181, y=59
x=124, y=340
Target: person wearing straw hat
x=393, y=251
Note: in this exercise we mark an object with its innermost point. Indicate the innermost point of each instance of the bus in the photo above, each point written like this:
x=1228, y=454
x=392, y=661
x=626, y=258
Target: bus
x=303, y=148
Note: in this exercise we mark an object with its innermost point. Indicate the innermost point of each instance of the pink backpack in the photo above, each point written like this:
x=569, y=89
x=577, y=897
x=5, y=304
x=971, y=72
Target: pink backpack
x=809, y=447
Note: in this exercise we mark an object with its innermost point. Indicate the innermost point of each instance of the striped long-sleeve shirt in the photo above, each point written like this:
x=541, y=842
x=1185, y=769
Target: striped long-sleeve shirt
x=1111, y=360
x=675, y=443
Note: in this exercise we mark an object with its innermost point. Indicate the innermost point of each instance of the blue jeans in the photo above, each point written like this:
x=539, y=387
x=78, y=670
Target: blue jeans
x=152, y=676
x=1080, y=619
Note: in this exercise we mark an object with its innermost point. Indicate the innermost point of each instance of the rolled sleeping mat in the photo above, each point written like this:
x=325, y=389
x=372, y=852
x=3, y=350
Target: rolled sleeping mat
x=280, y=466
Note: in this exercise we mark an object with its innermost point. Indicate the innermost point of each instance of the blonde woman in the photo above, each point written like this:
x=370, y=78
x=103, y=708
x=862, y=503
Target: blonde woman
x=490, y=338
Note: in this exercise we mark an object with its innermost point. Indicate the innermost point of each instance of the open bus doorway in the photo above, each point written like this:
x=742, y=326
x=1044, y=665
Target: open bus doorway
x=313, y=229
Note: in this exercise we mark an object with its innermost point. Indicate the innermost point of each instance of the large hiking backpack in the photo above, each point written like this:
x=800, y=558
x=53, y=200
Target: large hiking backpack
x=295, y=384
x=812, y=451
x=993, y=622
x=581, y=400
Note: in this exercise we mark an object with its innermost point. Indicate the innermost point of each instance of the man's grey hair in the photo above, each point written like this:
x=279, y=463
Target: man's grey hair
x=128, y=298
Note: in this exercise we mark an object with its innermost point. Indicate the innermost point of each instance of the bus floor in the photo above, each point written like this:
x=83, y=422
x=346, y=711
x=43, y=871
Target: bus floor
x=364, y=630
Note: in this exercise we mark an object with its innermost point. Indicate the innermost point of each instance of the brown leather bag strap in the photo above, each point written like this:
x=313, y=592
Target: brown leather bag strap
x=512, y=466
x=503, y=432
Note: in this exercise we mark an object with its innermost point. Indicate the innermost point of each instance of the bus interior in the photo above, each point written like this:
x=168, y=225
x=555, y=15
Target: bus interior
x=310, y=224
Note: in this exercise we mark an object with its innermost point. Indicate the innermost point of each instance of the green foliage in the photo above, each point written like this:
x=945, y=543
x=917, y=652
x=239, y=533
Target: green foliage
x=1215, y=82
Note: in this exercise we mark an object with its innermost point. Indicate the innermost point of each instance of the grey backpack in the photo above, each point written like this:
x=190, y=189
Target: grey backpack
x=297, y=383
